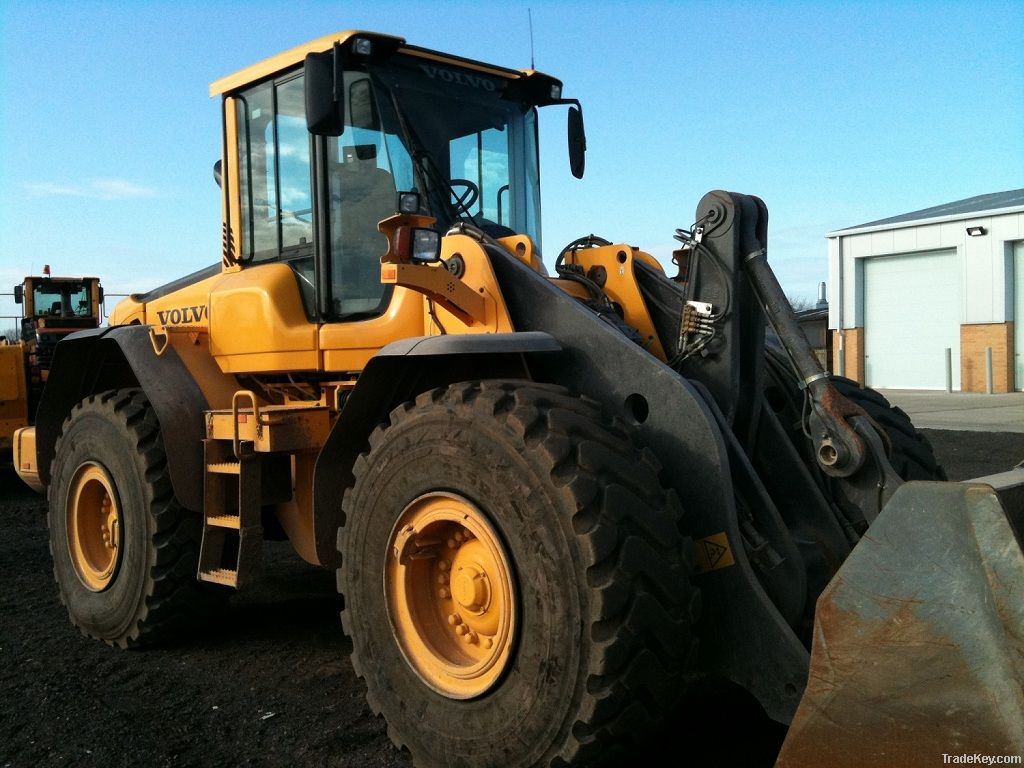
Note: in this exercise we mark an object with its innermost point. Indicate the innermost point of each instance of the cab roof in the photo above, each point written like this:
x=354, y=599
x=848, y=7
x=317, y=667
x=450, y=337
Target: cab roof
x=59, y=278
x=294, y=56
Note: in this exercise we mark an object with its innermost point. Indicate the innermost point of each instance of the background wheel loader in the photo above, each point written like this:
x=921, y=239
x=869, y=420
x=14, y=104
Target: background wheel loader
x=52, y=307
x=552, y=500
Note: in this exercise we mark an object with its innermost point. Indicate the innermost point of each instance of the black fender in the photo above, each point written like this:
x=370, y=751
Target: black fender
x=96, y=360
x=397, y=373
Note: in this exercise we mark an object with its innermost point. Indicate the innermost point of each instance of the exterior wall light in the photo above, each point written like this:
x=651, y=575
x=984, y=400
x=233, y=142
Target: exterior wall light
x=976, y=231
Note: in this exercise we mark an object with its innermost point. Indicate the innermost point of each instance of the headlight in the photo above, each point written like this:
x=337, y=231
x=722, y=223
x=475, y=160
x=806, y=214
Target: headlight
x=426, y=246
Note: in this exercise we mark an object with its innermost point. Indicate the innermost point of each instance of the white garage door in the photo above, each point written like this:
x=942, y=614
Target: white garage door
x=911, y=315
x=1018, y=313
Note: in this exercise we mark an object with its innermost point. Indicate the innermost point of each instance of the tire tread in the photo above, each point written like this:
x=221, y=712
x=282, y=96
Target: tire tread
x=173, y=598
x=912, y=455
x=637, y=564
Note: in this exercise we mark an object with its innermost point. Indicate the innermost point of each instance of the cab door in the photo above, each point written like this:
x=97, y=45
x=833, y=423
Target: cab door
x=361, y=173
x=262, y=313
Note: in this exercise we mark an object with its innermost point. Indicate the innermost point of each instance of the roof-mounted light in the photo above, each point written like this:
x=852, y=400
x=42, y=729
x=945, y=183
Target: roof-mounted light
x=535, y=89
x=408, y=202
x=362, y=46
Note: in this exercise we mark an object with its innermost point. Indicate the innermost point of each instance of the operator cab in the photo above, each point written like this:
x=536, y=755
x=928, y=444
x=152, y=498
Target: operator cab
x=58, y=302
x=312, y=189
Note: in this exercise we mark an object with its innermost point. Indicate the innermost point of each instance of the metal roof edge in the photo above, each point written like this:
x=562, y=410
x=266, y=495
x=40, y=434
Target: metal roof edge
x=285, y=59
x=294, y=56
x=919, y=222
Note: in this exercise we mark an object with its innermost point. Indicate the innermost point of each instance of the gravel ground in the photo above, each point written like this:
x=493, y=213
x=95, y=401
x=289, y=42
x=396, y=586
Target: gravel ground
x=269, y=681
x=966, y=455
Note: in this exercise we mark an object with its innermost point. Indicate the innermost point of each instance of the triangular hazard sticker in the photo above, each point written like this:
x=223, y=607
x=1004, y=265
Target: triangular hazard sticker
x=712, y=553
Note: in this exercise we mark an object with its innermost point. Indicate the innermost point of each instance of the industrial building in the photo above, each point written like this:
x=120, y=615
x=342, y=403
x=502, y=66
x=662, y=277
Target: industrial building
x=906, y=289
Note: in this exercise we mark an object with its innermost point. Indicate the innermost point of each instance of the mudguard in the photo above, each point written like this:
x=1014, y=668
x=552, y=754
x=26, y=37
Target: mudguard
x=919, y=640
x=93, y=361
x=399, y=371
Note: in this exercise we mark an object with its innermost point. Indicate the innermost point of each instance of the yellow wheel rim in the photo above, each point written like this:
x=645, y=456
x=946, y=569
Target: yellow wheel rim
x=94, y=526
x=450, y=595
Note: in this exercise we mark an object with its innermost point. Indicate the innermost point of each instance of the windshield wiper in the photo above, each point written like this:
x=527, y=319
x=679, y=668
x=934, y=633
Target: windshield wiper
x=435, y=183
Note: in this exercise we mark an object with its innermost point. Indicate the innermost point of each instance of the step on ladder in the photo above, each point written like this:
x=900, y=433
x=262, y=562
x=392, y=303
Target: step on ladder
x=232, y=507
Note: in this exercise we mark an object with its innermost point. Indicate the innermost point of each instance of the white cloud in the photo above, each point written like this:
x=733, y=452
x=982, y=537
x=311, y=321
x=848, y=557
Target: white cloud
x=300, y=151
x=119, y=189
x=48, y=189
x=98, y=189
x=292, y=195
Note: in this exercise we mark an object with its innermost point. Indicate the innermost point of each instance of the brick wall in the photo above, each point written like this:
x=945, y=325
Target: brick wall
x=974, y=339
x=854, y=338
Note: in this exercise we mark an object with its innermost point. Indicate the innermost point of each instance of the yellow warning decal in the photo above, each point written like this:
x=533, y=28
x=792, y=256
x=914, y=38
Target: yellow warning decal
x=713, y=552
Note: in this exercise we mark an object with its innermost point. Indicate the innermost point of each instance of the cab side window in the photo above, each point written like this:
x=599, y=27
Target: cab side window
x=275, y=179
x=482, y=158
x=295, y=200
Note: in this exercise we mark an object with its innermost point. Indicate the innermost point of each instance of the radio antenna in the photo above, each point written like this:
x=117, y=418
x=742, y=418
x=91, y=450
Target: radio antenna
x=529, y=15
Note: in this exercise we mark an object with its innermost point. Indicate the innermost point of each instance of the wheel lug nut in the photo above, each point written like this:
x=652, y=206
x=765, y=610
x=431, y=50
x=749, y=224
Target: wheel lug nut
x=454, y=618
x=443, y=565
x=451, y=543
x=459, y=536
x=443, y=592
x=442, y=578
x=488, y=642
x=469, y=637
x=461, y=629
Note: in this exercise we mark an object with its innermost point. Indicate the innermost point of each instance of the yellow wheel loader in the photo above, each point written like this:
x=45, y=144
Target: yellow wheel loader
x=552, y=500
x=52, y=308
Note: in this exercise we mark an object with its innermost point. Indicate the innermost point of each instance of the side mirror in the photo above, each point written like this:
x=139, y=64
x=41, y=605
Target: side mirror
x=19, y=294
x=216, y=172
x=577, y=142
x=325, y=94
x=100, y=289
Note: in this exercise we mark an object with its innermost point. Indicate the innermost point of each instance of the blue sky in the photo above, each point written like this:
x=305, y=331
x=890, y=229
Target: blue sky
x=834, y=113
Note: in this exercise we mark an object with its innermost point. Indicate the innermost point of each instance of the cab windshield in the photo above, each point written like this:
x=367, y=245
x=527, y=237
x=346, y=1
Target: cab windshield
x=447, y=133
x=460, y=128
x=63, y=299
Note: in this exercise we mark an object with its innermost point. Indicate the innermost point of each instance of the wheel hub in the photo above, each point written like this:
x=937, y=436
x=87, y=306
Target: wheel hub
x=93, y=519
x=450, y=595
x=472, y=590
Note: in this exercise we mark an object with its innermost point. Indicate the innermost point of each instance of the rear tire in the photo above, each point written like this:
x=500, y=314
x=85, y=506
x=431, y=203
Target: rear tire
x=603, y=606
x=912, y=456
x=126, y=576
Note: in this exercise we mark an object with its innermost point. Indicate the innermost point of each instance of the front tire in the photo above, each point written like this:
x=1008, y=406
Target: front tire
x=124, y=551
x=600, y=605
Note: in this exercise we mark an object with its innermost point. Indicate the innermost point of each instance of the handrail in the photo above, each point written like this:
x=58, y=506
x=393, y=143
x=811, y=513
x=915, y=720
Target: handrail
x=236, y=442
x=158, y=348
